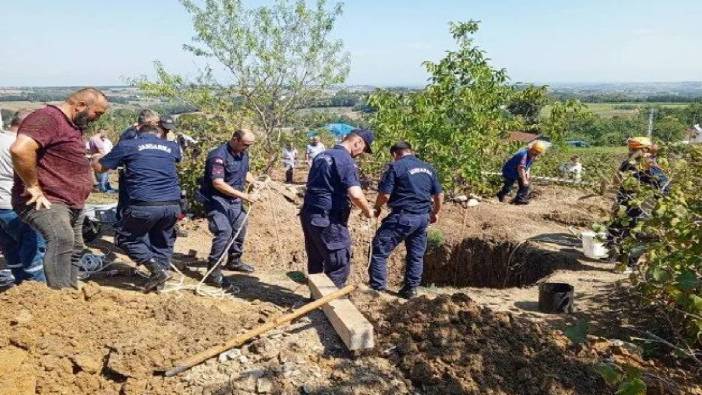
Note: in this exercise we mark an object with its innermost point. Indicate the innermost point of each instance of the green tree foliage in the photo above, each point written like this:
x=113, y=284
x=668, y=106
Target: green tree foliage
x=280, y=58
x=669, y=129
x=456, y=121
x=556, y=125
x=527, y=103
x=670, y=236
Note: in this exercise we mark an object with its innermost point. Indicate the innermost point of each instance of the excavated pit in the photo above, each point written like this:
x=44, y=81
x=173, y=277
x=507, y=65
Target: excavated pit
x=492, y=263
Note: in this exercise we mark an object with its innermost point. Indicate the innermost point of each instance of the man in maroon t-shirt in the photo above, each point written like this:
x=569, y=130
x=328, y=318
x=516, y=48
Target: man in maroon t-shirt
x=53, y=179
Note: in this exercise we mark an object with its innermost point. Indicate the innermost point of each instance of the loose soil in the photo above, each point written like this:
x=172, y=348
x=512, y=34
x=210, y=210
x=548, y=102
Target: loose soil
x=111, y=338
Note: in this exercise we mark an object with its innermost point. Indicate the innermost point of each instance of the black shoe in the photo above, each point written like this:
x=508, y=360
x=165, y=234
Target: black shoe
x=520, y=202
x=501, y=197
x=158, y=276
x=407, y=292
x=240, y=267
x=215, y=278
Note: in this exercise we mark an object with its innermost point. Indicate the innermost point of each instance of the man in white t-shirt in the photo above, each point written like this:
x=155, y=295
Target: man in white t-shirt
x=313, y=149
x=21, y=245
x=289, y=157
x=100, y=144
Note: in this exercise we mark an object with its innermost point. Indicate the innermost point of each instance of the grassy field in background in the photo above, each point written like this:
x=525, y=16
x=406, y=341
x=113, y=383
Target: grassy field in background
x=609, y=110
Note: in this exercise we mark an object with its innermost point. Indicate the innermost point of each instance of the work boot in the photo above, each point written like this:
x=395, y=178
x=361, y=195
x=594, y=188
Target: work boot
x=520, y=202
x=501, y=197
x=407, y=292
x=158, y=277
x=237, y=266
x=215, y=278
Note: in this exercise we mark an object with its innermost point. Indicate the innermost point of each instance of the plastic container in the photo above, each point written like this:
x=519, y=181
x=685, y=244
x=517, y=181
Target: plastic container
x=556, y=298
x=592, y=247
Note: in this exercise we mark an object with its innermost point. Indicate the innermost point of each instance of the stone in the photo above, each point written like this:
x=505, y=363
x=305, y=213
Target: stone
x=87, y=363
x=264, y=385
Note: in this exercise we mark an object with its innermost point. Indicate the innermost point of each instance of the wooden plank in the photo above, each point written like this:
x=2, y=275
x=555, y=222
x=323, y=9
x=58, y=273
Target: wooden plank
x=354, y=329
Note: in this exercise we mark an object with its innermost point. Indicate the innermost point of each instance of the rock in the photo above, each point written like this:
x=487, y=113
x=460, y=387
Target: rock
x=473, y=202
x=23, y=317
x=460, y=198
x=87, y=363
x=232, y=354
x=264, y=385
x=264, y=348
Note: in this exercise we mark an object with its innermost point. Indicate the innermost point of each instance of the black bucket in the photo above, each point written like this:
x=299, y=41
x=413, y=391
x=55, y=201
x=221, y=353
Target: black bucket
x=556, y=298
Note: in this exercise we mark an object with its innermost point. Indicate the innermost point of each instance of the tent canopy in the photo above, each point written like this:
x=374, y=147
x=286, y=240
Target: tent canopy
x=340, y=129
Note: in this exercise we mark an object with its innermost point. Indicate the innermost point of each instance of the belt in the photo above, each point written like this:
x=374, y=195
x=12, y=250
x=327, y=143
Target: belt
x=156, y=203
x=404, y=211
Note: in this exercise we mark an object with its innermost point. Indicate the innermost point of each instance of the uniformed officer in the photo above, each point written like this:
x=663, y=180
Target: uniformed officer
x=151, y=180
x=412, y=190
x=222, y=192
x=332, y=181
x=146, y=117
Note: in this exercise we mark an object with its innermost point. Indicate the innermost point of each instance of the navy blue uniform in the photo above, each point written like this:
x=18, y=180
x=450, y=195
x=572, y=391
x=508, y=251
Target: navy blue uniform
x=411, y=184
x=325, y=214
x=151, y=182
x=122, y=197
x=225, y=214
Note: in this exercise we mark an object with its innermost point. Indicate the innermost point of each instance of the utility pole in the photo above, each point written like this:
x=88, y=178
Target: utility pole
x=650, y=123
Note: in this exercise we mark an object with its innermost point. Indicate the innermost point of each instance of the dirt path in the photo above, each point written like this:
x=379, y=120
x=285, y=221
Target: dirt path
x=110, y=338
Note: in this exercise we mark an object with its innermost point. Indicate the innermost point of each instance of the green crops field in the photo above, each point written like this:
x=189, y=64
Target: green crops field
x=609, y=110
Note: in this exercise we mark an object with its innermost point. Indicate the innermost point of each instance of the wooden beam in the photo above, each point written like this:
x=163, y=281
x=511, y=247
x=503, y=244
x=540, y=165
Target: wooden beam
x=354, y=329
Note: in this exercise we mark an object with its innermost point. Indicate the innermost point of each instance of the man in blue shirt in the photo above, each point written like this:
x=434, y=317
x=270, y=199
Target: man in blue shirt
x=331, y=183
x=146, y=117
x=516, y=169
x=151, y=181
x=412, y=190
x=222, y=193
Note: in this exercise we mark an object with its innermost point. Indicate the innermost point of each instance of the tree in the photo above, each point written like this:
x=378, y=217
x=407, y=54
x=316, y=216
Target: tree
x=457, y=121
x=669, y=129
x=279, y=58
x=555, y=126
x=528, y=103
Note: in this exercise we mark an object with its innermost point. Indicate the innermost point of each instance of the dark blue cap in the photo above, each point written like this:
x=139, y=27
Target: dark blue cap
x=367, y=137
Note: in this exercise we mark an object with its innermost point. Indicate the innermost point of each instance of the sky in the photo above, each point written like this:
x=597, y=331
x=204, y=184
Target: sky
x=106, y=42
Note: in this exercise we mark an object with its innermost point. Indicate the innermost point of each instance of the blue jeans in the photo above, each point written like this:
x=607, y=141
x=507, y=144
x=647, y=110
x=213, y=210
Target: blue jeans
x=103, y=180
x=398, y=227
x=23, y=248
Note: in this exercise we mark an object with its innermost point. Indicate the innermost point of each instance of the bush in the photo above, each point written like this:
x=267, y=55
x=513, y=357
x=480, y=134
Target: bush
x=435, y=238
x=670, y=237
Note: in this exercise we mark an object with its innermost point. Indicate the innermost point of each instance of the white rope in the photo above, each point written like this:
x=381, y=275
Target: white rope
x=219, y=293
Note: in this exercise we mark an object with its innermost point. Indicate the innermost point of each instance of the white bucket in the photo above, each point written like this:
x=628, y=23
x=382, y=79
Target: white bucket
x=593, y=248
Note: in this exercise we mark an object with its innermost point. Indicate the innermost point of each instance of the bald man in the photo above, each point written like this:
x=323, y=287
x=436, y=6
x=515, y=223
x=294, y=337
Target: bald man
x=222, y=192
x=53, y=179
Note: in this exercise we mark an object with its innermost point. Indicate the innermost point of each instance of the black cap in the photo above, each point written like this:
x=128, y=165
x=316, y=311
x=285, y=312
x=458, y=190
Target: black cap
x=400, y=146
x=167, y=122
x=367, y=137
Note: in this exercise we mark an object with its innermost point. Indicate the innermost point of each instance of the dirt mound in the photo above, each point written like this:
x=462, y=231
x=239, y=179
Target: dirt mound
x=99, y=340
x=451, y=345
